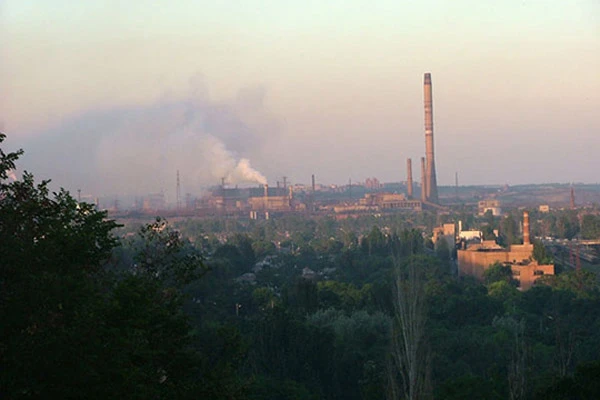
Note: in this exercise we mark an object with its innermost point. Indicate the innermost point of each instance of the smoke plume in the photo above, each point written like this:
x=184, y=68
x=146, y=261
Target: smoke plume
x=223, y=164
x=138, y=150
x=243, y=172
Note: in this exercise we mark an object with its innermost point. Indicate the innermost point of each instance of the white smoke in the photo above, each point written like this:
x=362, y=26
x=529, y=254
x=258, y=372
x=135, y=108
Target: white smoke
x=138, y=150
x=222, y=164
x=243, y=172
x=147, y=163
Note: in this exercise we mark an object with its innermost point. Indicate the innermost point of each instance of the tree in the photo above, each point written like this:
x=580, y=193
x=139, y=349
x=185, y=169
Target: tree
x=567, y=225
x=51, y=287
x=443, y=251
x=517, y=366
x=374, y=242
x=590, y=226
x=541, y=254
x=497, y=273
x=488, y=232
x=162, y=254
x=582, y=385
x=244, y=245
x=410, y=355
x=509, y=230
x=359, y=351
x=70, y=327
x=7, y=161
x=303, y=295
x=489, y=219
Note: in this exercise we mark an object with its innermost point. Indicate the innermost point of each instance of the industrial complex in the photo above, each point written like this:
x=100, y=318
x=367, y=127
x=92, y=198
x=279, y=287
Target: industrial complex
x=352, y=199
x=474, y=259
x=472, y=253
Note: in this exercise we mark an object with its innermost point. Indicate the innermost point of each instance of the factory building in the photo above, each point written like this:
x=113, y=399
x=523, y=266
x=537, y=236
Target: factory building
x=224, y=200
x=272, y=201
x=373, y=184
x=445, y=232
x=390, y=201
x=478, y=257
x=377, y=202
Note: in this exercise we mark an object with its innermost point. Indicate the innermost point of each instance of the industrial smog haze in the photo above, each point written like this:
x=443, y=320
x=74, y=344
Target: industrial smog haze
x=114, y=98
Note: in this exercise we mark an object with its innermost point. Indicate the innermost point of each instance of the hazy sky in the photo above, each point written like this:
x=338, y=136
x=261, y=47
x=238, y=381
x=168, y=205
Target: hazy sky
x=97, y=92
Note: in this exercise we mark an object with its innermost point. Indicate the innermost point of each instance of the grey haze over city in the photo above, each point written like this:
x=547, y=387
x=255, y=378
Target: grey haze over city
x=285, y=95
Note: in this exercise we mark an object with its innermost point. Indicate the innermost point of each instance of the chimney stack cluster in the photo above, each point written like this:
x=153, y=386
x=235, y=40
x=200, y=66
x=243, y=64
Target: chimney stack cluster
x=429, y=191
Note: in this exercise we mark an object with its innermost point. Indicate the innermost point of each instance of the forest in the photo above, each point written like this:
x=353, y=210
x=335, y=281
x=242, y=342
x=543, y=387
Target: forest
x=289, y=308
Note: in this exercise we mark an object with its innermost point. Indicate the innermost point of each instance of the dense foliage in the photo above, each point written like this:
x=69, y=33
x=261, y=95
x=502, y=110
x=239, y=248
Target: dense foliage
x=289, y=308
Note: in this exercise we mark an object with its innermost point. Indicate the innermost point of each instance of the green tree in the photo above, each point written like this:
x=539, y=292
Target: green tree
x=374, y=243
x=7, y=161
x=541, y=254
x=498, y=273
x=488, y=232
x=567, y=225
x=244, y=245
x=409, y=371
x=162, y=254
x=509, y=230
x=70, y=327
x=590, y=226
x=53, y=250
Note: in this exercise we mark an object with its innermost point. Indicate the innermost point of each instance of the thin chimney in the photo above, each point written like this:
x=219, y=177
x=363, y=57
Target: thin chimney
x=526, y=228
x=409, y=181
x=431, y=188
x=572, y=198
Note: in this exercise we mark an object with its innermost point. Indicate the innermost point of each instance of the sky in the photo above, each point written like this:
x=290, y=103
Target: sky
x=115, y=97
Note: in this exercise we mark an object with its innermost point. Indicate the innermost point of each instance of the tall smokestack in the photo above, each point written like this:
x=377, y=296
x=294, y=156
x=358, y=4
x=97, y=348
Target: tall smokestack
x=572, y=198
x=266, y=187
x=431, y=191
x=409, y=183
x=313, y=183
x=423, y=180
x=526, y=228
